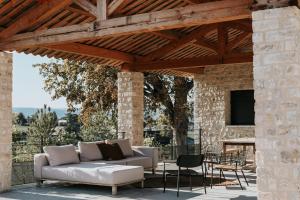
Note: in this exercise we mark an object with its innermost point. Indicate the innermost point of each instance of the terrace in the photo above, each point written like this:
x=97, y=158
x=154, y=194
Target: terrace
x=225, y=46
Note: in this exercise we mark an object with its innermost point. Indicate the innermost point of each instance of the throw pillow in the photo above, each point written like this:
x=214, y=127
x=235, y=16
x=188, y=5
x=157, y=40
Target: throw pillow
x=111, y=151
x=89, y=151
x=61, y=155
x=124, y=145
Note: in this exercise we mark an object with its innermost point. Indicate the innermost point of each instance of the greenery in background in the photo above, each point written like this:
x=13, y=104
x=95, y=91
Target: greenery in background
x=94, y=88
x=100, y=126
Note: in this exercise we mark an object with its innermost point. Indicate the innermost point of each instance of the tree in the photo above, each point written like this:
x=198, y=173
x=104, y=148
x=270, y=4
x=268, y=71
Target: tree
x=171, y=94
x=94, y=87
x=42, y=127
x=19, y=119
x=100, y=126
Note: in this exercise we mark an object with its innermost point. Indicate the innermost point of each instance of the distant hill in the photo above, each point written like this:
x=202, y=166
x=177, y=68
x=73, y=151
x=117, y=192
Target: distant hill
x=60, y=112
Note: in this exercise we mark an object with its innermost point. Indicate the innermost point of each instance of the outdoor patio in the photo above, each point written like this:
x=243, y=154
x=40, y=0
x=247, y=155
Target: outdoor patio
x=60, y=191
x=225, y=46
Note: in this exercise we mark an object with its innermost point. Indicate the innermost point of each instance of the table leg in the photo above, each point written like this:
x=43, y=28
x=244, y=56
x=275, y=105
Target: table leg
x=212, y=175
x=224, y=147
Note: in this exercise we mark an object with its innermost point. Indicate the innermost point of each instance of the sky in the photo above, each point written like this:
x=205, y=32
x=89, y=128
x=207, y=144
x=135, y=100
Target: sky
x=28, y=83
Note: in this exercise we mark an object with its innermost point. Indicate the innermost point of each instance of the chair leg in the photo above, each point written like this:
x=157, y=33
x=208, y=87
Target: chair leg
x=223, y=175
x=211, y=178
x=220, y=177
x=191, y=187
x=164, y=177
x=244, y=177
x=178, y=182
x=204, y=180
x=237, y=176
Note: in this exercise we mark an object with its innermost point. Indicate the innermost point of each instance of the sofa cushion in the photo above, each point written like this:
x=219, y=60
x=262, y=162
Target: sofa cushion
x=89, y=151
x=125, y=146
x=111, y=151
x=102, y=174
x=61, y=155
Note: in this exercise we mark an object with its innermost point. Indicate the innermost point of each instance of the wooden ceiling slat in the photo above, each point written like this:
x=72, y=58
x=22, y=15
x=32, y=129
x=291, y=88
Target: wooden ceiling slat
x=18, y=8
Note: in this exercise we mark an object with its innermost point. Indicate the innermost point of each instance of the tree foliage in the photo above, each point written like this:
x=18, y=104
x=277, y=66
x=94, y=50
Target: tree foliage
x=92, y=87
x=42, y=126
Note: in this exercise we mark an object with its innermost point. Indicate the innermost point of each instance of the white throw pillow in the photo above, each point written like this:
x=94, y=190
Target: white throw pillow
x=89, y=151
x=61, y=155
x=124, y=145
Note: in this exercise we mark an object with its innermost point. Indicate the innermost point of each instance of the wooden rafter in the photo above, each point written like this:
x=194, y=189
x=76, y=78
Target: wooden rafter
x=87, y=6
x=34, y=16
x=87, y=50
x=238, y=40
x=192, y=62
x=206, y=13
x=206, y=45
x=115, y=5
x=173, y=46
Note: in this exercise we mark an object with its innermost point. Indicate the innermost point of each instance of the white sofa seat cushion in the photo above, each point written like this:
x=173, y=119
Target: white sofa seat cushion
x=61, y=155
x=146, y=162
x=94, y=173
x=89, y=151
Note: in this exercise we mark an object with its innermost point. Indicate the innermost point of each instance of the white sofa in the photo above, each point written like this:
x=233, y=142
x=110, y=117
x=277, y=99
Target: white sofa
x=112, y=173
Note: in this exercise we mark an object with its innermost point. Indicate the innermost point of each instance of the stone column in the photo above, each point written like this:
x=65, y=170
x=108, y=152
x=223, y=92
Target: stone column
x=5, y=120
x=131, y=106
x=277, y=109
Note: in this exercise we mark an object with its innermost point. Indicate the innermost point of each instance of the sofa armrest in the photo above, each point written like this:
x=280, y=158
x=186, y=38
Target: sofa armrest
x=147, y=152
x=40, y=160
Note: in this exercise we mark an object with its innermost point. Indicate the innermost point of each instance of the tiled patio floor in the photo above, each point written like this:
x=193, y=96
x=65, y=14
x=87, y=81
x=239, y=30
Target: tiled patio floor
x=57, y=191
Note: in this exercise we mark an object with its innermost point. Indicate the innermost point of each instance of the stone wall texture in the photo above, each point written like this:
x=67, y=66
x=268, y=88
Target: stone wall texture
x=5, y=120
x=277, y=93
x=131, y=106
x=212, y=102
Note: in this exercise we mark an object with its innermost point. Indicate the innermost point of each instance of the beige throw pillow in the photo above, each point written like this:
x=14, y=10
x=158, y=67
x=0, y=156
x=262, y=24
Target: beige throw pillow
x=124, y=145
x=61, y=155
x=89, y=151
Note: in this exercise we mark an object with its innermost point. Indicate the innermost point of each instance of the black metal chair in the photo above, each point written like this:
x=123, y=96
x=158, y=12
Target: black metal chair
x=232, y=162
x=188, y=162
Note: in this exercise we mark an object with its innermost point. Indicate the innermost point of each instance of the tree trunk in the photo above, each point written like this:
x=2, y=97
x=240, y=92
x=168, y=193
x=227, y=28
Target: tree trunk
x=181, y=121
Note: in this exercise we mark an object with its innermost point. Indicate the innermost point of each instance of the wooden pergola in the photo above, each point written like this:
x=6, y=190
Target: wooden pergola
x=177, y=37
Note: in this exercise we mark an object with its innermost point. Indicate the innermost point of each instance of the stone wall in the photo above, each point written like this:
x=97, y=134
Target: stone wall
x=212, y=102
x=5, y=120
x=277, y=93
x=131, y=106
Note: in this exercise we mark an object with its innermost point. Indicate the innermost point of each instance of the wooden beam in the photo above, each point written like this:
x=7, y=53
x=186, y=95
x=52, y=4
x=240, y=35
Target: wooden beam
x=196, y=70
x=192, y=62
x=115, y=5
x=200, y=14
x=39, y=13
x=238, y=40
x=173, y=46
x=166, y=34
x=206, y=45
x=101, y=10
x=87, y=5
x=222, y=41
x=82, y=49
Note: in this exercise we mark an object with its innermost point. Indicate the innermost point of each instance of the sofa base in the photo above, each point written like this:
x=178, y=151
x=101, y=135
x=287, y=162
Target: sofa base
x=114, y=188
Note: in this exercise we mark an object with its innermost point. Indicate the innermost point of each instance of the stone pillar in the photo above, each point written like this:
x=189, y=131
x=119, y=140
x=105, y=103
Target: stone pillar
x=5, y=120
x=277, y=109
x=131, y=106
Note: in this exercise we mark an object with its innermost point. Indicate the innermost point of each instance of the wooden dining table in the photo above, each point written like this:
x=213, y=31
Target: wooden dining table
x=244, y=142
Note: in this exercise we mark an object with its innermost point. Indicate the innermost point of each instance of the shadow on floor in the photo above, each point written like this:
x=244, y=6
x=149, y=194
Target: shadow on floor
x=244, y=198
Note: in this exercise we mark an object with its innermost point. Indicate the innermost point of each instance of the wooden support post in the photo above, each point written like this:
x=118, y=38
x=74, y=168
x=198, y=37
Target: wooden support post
x=101, y=10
